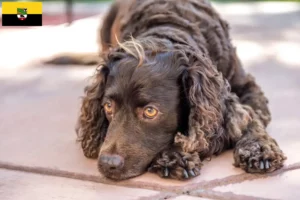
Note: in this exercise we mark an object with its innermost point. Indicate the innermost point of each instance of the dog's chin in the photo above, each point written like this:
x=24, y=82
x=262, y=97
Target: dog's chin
x=120, y=175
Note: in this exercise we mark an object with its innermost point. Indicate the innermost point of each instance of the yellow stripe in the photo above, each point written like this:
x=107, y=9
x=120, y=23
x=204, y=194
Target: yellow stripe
x=32, y=7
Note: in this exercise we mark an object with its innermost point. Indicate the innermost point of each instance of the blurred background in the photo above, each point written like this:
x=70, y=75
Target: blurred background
x=256, y=22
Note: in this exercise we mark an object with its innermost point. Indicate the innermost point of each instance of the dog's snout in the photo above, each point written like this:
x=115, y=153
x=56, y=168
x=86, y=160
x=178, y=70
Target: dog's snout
x=111, y=162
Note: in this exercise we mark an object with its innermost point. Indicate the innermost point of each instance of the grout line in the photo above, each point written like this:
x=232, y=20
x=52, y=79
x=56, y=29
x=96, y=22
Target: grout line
x=83, y=177
x=185, y=189
x=237, y=179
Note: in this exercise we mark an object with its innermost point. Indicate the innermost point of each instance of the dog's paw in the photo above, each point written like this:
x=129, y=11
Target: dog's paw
x=170, y=164
x=259, y=156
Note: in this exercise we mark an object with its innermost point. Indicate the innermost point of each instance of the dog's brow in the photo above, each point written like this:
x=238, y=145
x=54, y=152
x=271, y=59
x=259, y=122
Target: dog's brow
x=112, y=93
x=143, y=97
x=146, y=98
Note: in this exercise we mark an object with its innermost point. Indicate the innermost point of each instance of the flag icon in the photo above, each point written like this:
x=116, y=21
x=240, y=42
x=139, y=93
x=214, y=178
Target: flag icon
x=21, y=13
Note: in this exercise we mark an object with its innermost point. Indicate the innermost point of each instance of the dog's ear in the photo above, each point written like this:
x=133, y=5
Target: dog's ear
x=92, y=123
x=203, y=86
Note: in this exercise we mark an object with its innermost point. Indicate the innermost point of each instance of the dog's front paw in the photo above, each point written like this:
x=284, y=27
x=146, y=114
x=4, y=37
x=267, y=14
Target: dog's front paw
x=176, y=165
x=260, y=156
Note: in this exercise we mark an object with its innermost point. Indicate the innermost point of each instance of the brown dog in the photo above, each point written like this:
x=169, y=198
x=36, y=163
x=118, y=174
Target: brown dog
x=173, y=95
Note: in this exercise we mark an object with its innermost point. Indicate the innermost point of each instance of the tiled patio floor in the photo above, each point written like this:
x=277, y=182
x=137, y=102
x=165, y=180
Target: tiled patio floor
x=40, y=159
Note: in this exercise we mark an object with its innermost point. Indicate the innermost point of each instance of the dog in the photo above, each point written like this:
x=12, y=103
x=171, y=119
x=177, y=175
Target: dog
x=170, y=91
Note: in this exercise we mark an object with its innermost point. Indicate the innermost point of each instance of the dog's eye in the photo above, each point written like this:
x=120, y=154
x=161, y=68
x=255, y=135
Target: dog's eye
x=150, y=112
x=108, y=107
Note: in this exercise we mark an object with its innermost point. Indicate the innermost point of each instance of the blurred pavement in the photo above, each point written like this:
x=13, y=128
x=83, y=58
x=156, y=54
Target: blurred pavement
x=40, y=159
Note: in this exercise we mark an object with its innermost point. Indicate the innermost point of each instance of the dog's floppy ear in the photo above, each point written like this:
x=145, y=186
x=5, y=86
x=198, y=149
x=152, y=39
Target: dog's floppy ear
x=92, y=123
x=203, y=86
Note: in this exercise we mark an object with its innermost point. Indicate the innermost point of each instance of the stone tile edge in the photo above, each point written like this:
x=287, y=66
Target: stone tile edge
x=234, y=179
x=189, y=189
x=85, y=177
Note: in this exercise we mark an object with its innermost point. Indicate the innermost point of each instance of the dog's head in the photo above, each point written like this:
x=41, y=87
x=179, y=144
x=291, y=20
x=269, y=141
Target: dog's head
x=139, y=100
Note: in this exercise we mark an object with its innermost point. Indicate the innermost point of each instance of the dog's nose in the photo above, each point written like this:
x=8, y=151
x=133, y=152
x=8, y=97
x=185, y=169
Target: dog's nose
x=111, y=162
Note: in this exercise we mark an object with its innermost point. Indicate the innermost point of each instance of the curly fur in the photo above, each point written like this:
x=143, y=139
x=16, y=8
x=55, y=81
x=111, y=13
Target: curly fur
x=92, y=124
x=226, y=108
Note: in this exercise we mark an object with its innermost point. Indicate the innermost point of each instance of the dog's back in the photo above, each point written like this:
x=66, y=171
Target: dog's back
x=191, y=22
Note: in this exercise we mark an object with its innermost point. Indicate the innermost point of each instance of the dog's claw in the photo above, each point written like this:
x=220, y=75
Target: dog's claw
x=267, y=164
x=250, y=165
x=261, y=165
x=196, y=170
x=166, y=172
x=185, y=174
x=192, y=173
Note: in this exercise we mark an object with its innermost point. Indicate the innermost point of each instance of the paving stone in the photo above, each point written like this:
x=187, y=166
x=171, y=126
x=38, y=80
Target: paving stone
x=284, y=186
x=38, y=113
x=25, y=186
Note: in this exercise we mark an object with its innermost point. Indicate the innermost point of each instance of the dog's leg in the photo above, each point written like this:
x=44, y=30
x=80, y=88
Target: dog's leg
x=248, y=91
x=255, y=150
x=176, y=164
